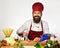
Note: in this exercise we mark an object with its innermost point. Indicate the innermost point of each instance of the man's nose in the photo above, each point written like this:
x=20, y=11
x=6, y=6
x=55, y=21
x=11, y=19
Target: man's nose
x=36, y=15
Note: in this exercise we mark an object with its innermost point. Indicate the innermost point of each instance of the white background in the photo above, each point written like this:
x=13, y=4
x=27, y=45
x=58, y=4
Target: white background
x=13, y=13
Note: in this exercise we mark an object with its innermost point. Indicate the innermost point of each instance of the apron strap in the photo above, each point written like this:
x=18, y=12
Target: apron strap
x=30, y=25
x=42, y=25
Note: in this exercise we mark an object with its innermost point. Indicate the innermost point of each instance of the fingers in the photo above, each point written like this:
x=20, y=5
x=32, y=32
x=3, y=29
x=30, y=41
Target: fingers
x=37, y=39
x=24, y=34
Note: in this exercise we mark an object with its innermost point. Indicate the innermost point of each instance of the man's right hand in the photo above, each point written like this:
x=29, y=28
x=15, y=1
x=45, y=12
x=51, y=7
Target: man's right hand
x=24, y=34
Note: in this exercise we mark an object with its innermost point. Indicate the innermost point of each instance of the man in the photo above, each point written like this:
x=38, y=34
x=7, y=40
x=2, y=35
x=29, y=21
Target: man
x=35, y=27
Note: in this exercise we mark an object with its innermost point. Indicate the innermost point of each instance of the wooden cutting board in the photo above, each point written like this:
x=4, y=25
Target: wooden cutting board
x=28, y=43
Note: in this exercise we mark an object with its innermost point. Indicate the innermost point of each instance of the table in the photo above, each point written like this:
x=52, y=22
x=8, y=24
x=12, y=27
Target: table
x=26, y=44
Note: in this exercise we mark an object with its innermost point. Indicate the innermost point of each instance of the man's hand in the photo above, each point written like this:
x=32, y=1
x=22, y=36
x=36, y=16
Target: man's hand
x=37, y=39
x=24, y=34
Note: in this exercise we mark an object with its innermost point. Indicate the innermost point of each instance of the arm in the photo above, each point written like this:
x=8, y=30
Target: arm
x=22, y=29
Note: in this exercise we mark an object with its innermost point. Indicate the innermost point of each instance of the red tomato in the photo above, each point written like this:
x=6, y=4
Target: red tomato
x=43, y=43
x=4, y=42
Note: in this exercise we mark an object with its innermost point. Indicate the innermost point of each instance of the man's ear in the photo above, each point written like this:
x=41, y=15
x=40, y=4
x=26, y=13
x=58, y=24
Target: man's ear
x=41, y=14
x=32, y=13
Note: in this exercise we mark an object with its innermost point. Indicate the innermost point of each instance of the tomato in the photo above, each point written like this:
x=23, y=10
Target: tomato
x=43, y=43
x=4, y=42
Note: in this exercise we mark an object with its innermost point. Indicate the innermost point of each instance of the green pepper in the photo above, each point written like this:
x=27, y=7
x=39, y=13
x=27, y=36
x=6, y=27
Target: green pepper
x=38, y=45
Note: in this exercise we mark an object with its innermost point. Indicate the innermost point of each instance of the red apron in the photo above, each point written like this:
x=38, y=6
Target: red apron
x=32, y=34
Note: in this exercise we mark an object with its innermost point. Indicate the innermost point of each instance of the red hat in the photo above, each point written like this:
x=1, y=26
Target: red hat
x=37, y=7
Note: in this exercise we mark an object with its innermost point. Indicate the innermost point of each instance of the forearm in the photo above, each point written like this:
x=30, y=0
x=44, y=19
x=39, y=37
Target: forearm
x=20, y=34
x=23, y=34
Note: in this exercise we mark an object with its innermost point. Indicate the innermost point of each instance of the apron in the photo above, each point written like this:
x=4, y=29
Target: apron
x=32, y=34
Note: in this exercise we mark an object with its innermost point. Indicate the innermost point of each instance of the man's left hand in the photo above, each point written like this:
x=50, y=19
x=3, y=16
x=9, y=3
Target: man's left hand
x=37, y=39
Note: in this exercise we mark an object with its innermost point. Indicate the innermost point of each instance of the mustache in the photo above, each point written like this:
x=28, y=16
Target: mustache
x=36, y=16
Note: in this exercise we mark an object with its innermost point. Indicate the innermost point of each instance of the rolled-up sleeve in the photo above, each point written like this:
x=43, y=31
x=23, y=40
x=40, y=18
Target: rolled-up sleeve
x=23, y=28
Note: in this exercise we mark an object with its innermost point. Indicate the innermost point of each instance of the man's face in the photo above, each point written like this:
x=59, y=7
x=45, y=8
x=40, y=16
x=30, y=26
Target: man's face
x=37, y=16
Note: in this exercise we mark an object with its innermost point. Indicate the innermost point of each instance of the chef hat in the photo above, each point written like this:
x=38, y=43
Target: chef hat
x=37, y=7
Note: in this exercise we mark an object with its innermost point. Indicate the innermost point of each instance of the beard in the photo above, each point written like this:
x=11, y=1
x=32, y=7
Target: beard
x=36, y=19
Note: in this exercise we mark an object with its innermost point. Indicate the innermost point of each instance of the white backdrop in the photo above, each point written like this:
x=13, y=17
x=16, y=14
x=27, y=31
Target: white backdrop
x=13, y=13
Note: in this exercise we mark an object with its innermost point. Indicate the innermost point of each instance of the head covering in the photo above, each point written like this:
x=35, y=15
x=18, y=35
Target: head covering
x=37, y=7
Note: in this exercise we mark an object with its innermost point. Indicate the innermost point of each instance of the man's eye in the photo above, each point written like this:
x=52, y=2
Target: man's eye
x=34, y=13
x=38, y=13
